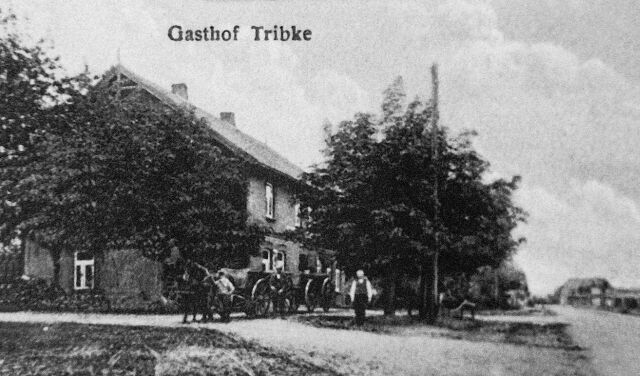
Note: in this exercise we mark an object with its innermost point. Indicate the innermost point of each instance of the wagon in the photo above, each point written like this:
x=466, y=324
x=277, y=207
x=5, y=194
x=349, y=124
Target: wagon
x=316, y=290
x=254, y=297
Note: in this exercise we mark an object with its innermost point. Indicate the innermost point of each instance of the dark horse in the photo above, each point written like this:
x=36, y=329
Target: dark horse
x=197, y=291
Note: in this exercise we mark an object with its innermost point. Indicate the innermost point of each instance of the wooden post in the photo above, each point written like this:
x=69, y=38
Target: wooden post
x=436, y=202
x=429, y=268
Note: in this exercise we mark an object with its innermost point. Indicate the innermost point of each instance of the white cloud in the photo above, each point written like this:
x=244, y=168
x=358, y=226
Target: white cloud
x=589, y=231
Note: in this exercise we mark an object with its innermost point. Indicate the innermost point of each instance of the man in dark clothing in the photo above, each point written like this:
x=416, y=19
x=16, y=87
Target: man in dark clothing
x=278, y=283
x=361, y=293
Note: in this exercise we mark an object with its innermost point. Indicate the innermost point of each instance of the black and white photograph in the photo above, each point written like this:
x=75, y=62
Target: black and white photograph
x=247, y=187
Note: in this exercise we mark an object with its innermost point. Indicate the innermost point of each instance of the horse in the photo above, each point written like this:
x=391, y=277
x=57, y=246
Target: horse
x=196, y=286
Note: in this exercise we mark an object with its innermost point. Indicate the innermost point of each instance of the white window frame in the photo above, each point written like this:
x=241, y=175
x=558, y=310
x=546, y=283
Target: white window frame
x=269, y=201
x=279, y=259
x=82, y=283
x=296, y=210
x=267, y=263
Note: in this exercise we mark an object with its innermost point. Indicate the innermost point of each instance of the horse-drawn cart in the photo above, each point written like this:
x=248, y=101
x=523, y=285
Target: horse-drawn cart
x=254, y=295
x=316, y=290
x=312, y=290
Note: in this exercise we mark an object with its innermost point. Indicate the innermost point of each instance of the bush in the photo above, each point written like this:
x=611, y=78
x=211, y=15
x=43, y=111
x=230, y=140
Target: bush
x=37, y=294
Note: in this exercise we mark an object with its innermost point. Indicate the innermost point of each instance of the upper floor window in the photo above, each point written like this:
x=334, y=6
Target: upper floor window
x=268, y=201
x=83, y=271
x=296, y=210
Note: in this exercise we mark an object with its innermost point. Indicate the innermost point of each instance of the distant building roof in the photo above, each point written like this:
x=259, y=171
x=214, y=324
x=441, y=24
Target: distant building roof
x=227, y=134
x=574, y=284
x=625, y=292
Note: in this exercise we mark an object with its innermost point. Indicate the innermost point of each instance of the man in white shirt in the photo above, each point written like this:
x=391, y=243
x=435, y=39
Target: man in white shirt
x=361, y=293
x=225, y=290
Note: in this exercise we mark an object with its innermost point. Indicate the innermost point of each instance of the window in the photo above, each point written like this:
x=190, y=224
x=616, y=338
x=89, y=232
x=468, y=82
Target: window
x=273, y=259
x=279, y=258
x=303, y=262
x=267, y=264
x=296, y=210
x=269, y=201
x=83, y=271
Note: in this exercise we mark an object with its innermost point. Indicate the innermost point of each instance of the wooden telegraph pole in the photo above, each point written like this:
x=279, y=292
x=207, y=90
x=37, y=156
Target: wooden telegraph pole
x=429, y=274
x=436, y=202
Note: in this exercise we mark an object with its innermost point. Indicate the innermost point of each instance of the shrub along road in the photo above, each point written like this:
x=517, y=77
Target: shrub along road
x=359, y=352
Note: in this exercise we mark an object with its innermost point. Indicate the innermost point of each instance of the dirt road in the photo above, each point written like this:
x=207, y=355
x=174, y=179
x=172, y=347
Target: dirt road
x=355, y=352
x=613, y=339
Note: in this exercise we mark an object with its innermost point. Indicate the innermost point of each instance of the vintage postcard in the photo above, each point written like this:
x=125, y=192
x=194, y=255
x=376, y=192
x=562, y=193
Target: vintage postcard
x=438, y=187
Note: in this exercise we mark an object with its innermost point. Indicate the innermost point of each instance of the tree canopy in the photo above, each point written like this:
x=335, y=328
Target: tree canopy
x=372, y=198
x=97, y=171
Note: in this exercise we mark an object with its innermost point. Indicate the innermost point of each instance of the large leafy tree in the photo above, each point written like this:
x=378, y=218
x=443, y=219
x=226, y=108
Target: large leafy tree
x=114, y=172
x=372, y=199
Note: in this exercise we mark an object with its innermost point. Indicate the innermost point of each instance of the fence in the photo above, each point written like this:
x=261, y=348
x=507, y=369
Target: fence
x=11, y=266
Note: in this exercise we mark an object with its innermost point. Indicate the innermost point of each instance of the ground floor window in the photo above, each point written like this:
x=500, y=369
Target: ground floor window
x=280, y=258
x=273, y=259
x=303, y=262
x=267, y=261
x=83, y=271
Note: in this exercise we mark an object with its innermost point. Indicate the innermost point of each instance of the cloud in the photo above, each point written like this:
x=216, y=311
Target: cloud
x=589, y=231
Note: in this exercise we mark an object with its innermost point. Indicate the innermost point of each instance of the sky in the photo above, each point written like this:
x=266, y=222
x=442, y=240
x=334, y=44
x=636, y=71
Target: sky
x=551, y=86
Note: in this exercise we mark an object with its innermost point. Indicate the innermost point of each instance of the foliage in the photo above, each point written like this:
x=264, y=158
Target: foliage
x=489, y=286
x=372, y=198
x=103, y=171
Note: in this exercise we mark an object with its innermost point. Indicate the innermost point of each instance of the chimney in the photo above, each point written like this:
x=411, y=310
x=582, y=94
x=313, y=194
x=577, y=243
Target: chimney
x=180, y=90
x=229, y=117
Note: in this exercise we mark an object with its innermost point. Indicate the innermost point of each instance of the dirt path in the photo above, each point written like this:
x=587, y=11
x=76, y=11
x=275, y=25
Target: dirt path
x=355, y=352
x=613, y=339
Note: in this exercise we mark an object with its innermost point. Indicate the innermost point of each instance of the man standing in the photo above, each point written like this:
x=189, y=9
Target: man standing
x=225, y=289
x=279, y=286
x=361, y=293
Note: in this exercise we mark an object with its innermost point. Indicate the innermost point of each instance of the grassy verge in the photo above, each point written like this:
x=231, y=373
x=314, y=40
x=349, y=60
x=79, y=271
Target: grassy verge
x=538, y=311
x=552, y=335
x=75, y=349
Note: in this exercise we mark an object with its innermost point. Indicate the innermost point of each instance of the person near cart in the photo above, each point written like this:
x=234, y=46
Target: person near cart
x=279, y=286
x=361, y=293
x=224, y=295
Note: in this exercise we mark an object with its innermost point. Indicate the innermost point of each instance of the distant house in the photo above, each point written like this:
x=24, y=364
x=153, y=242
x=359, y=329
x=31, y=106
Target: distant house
x=129, y=279
x=624, y=298
x=584, y=292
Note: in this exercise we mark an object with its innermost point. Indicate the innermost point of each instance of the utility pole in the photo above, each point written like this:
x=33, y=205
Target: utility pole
x=429, y=272
x=436, y=202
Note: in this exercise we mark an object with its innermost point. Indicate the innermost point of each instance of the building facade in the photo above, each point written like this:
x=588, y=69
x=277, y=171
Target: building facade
x=130, y=280
x=584, y=292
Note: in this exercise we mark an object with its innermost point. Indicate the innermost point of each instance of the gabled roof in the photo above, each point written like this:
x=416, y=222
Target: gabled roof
x=227, y=134
x=575, y=283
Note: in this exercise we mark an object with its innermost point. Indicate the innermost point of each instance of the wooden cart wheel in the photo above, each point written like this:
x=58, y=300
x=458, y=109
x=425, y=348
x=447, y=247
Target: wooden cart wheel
x=310, y=296
x=326, y=294
x=261, y=297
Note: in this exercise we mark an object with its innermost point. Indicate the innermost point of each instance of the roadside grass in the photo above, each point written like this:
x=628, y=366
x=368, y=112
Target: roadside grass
x=547, y=335
x=536, y=311
x=78, y=349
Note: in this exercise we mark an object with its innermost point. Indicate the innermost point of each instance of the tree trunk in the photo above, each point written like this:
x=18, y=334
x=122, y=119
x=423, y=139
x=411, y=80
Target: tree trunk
x=429, y=290
x=390, y=292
